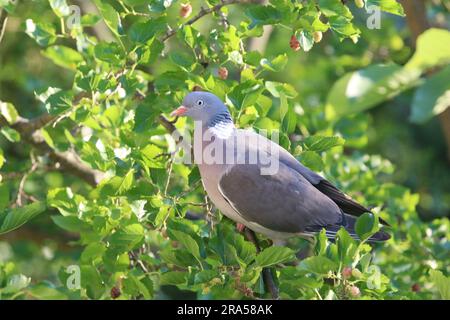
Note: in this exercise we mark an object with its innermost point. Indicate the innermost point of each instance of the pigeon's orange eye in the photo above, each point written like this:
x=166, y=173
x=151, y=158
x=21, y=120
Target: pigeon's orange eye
x=200, y=102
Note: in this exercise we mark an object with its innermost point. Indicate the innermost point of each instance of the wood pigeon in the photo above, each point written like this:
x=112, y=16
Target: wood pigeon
x=290, y=201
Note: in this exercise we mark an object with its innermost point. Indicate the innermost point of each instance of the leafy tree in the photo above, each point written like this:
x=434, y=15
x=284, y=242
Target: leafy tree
x=86, y=87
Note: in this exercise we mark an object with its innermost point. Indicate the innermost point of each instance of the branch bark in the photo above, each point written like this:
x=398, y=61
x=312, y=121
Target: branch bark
x=68, y=161
x=269, y=281
x=260, y=43
x=417, y=22
x=203, y=12
x=3, y=21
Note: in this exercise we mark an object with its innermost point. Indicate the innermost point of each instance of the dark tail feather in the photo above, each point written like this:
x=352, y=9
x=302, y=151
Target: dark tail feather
x=350, y=227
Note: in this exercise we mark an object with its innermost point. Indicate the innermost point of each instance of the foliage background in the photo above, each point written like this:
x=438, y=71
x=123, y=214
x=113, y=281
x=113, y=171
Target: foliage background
x=98, y=89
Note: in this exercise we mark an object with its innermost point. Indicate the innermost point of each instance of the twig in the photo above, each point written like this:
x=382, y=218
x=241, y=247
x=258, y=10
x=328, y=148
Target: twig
x=3, y=21
x=203, y=12
x=21, y=193
x=69, y=161
x=166, y=123
x=134, y=257
x=169, y=173
x=269, y=282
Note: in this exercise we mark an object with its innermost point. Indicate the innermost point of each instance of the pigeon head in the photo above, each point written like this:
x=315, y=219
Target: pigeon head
x=202, y=106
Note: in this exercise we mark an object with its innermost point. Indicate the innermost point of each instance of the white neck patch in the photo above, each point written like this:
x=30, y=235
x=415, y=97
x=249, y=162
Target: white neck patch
x=222, y=129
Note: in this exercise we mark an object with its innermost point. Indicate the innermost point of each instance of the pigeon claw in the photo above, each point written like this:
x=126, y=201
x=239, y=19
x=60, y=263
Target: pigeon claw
x=240, y=227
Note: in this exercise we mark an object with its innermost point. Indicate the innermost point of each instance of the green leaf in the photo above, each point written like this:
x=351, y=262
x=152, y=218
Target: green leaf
x=289, y=122
x=332, y=8
x=442, y=283
x=56, y=101
x=205, y=276
x=183, y=59
x=4, y=196
x=92, y=252
x=16, y=217
x=142, y=32
x=128, y=237
x=45, y=292
x=306, y=40
x=173, y=278
x=60, y=7
x=43, y=33
x=8, y=5
x=188, y=242
x=346, y=246
x=194, y=176
x=111, y=17
x=319, y=143
x=276, y=65
x=2, y=158
x=109, y=52
x=432, y=98
x=71, y=223
x=11, y=134
x=245, y=94
x=158, y=6
x=16, y=283
x=391, y=6
x=366, y=225
x=151, y=156
x=135, y=287
x=278, y=88
x=367, y=88
x=92, y=281
x=274, y=255
x=9, y=112
x=312, y=160
x=318, y=264
x=63, y=56
x=432, y=50
x=262, y=15
x=64, y=199
x=117, y=185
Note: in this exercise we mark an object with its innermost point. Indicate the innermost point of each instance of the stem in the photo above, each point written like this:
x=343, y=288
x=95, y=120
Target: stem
x=63, y=26
x=268, y=279
x=3, y=21
x=203, y=12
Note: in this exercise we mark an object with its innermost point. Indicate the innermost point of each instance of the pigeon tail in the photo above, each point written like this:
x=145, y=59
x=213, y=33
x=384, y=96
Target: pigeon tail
x=349, y=225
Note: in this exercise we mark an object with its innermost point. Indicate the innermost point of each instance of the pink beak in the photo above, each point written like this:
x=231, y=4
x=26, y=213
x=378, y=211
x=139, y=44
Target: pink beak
x=181, y=110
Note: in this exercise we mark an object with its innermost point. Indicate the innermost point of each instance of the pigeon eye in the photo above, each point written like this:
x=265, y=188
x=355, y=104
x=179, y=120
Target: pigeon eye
x=200, y=102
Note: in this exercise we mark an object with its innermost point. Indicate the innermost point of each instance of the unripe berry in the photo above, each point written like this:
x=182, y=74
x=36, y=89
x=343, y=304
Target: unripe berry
x=356, y=273
x=223, y=73
x=317, y=36
x=294, y=43
x=359, y=3
x=186, y=10
x=353, y=291
x=346, y=272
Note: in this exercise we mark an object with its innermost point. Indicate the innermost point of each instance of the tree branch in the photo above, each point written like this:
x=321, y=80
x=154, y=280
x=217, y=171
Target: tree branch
x=269, y=281
x=417, y=22
x=69, y=161
x=3, y=21
x=203, y=12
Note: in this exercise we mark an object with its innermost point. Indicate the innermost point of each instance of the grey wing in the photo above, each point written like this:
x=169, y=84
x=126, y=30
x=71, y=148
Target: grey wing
x=347, y=204
x=284, y=201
